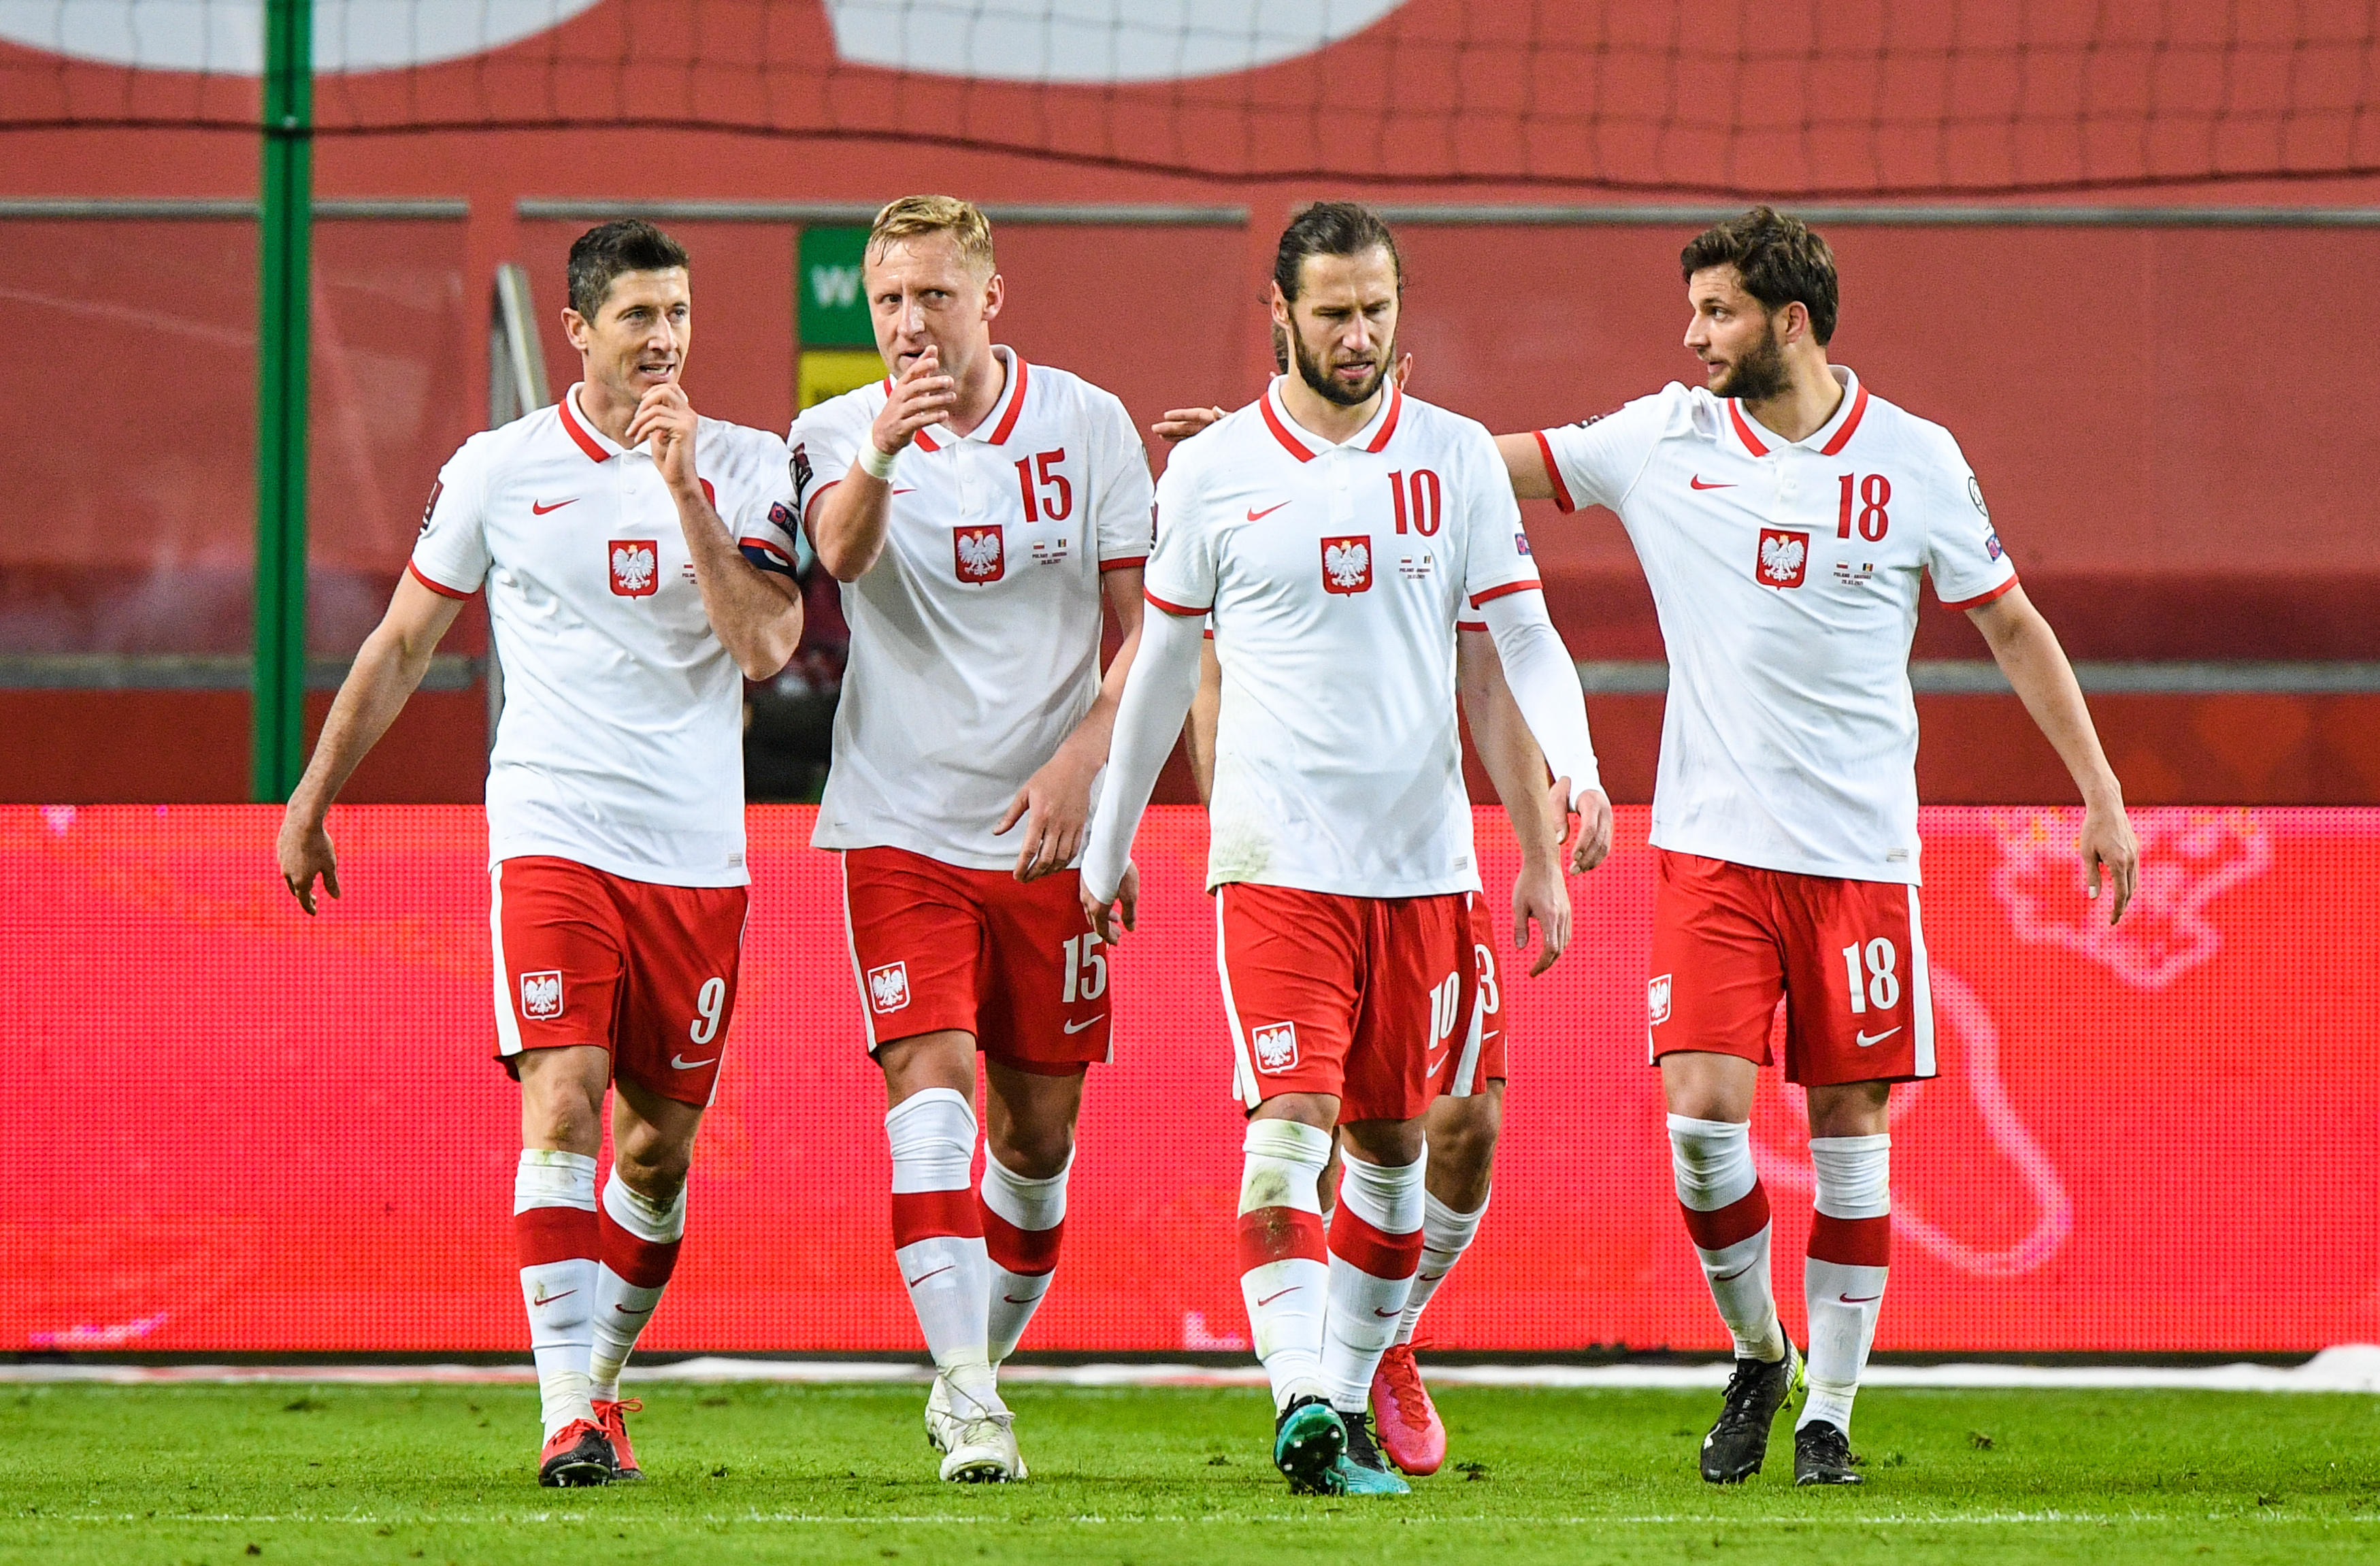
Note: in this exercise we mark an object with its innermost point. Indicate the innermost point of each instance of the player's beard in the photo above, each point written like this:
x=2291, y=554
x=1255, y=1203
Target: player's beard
x=1328, y=387
x=1758, y=375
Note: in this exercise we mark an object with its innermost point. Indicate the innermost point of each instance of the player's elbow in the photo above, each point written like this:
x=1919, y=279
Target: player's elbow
x=843, y=561
x=764, y=655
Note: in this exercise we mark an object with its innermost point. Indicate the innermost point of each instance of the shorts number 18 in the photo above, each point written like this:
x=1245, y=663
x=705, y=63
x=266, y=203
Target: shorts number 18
x=1883, y=985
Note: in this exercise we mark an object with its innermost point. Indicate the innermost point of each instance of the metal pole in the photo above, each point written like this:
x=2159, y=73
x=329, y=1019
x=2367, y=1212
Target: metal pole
x=285, y=235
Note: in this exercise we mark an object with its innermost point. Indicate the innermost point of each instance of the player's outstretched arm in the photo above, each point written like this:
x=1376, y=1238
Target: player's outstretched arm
x=847, y=522
x=1206, y=719
x=1055, y=803
x=1525, y=463
x=387, y=669
x=1544, y=682
x=756, y=615
x=1517, y=768
x=1155, y=699
x=2028, y=653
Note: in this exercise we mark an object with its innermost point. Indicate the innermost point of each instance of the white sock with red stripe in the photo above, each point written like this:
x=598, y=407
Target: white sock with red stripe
x=937, y=1233
x=1375, y=1250
x=1445, y=1235
x=1022, y=1222
x=1727, y=1212
x=640, y=1250
x=555, y=1229
x=1284, y=1279
x=1851, y=1247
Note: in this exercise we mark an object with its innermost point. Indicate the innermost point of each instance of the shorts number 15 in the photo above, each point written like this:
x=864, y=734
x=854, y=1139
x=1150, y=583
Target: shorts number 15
x=1086, y=968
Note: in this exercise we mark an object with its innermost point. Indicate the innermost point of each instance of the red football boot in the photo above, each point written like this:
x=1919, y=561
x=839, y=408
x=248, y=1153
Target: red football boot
x=579, y=1454
x=1410, y=1430
x=614, y=1420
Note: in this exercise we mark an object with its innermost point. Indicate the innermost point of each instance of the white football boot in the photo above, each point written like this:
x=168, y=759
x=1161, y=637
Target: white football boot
x=942, y=1429
x=979, y=1444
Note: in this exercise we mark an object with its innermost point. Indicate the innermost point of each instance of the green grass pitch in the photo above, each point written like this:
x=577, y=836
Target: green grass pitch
x=770, y=1473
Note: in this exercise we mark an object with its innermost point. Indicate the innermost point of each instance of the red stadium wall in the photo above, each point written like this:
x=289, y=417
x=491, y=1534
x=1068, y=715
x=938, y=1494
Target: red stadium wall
x=261, y=1132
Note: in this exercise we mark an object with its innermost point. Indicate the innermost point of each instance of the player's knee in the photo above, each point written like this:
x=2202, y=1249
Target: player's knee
x=658, y=1181
x=1035, y=1152
x=1462, y=1138
x=560, y=1116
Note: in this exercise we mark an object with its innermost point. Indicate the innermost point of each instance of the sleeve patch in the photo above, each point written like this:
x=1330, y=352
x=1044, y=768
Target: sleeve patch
x=430, y=506
x=1521, y=543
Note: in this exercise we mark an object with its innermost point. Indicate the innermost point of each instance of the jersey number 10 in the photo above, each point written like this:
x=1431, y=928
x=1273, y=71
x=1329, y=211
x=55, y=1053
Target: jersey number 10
x=1418, y=500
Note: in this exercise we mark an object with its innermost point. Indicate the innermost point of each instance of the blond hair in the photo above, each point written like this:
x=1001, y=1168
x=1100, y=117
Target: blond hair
x=913, y=215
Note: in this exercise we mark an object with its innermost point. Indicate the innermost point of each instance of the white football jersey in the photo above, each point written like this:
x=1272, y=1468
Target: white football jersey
x=621, y=745
x=975, y=637
x=1786, y=575
x=1335, y=575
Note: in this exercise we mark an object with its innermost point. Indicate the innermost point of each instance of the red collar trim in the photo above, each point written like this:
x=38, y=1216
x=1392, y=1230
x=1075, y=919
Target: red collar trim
x=1842, y=436
x=926, y=440
x=1280, y=429
x=1744, y=429
x=594, y=449
x=1016, y=399
x=1389, y=428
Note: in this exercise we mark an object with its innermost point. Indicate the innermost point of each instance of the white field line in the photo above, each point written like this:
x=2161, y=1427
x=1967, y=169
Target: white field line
x=813, y=1518
x=2353, y=1367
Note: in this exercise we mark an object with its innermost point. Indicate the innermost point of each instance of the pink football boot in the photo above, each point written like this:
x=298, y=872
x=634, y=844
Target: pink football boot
x=1411, y=1432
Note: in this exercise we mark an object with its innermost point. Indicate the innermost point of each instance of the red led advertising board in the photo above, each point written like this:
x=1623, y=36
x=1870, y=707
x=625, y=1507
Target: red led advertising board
x=239, y=1129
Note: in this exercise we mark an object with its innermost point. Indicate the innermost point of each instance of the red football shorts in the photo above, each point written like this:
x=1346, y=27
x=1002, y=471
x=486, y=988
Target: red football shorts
x=1848, y=958
x=1360, y=997
x=938, y=946
x=646, y=972
x=1482, y=1060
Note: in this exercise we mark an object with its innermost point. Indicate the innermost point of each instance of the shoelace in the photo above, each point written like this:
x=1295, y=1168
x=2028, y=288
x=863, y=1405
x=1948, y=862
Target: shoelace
x=1404, y=1380
x=1737, y=1411
x=629, y=1405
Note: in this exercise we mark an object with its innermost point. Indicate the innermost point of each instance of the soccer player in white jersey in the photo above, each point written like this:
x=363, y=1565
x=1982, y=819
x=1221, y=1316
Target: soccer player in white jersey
x=976, y=509
x=1783, y=512
x=637, y=561
x=1336, y=531
x=1460, y=1129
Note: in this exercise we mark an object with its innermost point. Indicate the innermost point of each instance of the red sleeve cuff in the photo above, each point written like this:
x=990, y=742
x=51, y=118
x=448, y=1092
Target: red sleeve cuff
x=1553, y=472
x=1471, y=624
x=1173, y=608
x=1124, y=561
x=1480, y=599
x=1982, y=599
x=441, y=588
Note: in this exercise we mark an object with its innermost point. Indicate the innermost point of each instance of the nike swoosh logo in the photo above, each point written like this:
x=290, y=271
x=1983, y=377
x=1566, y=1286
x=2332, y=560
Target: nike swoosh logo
x=1862, y=1299
x=1864, y=1040
x=549, y=1299
x=540, y=510
x=1428, y=1277
x=936, y=1273
x=1078, y=1027
x=679, y=1062
x=1269, y=1298
x=1268, y=511
x=1697, y=483
x=1387, y=1315
x=624, y=1310
x=1429, y=1068
x=1724, y=1277
x=1012, y=1299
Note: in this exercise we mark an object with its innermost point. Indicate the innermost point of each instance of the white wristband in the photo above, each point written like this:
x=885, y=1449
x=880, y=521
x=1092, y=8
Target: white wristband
x=876, y=464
